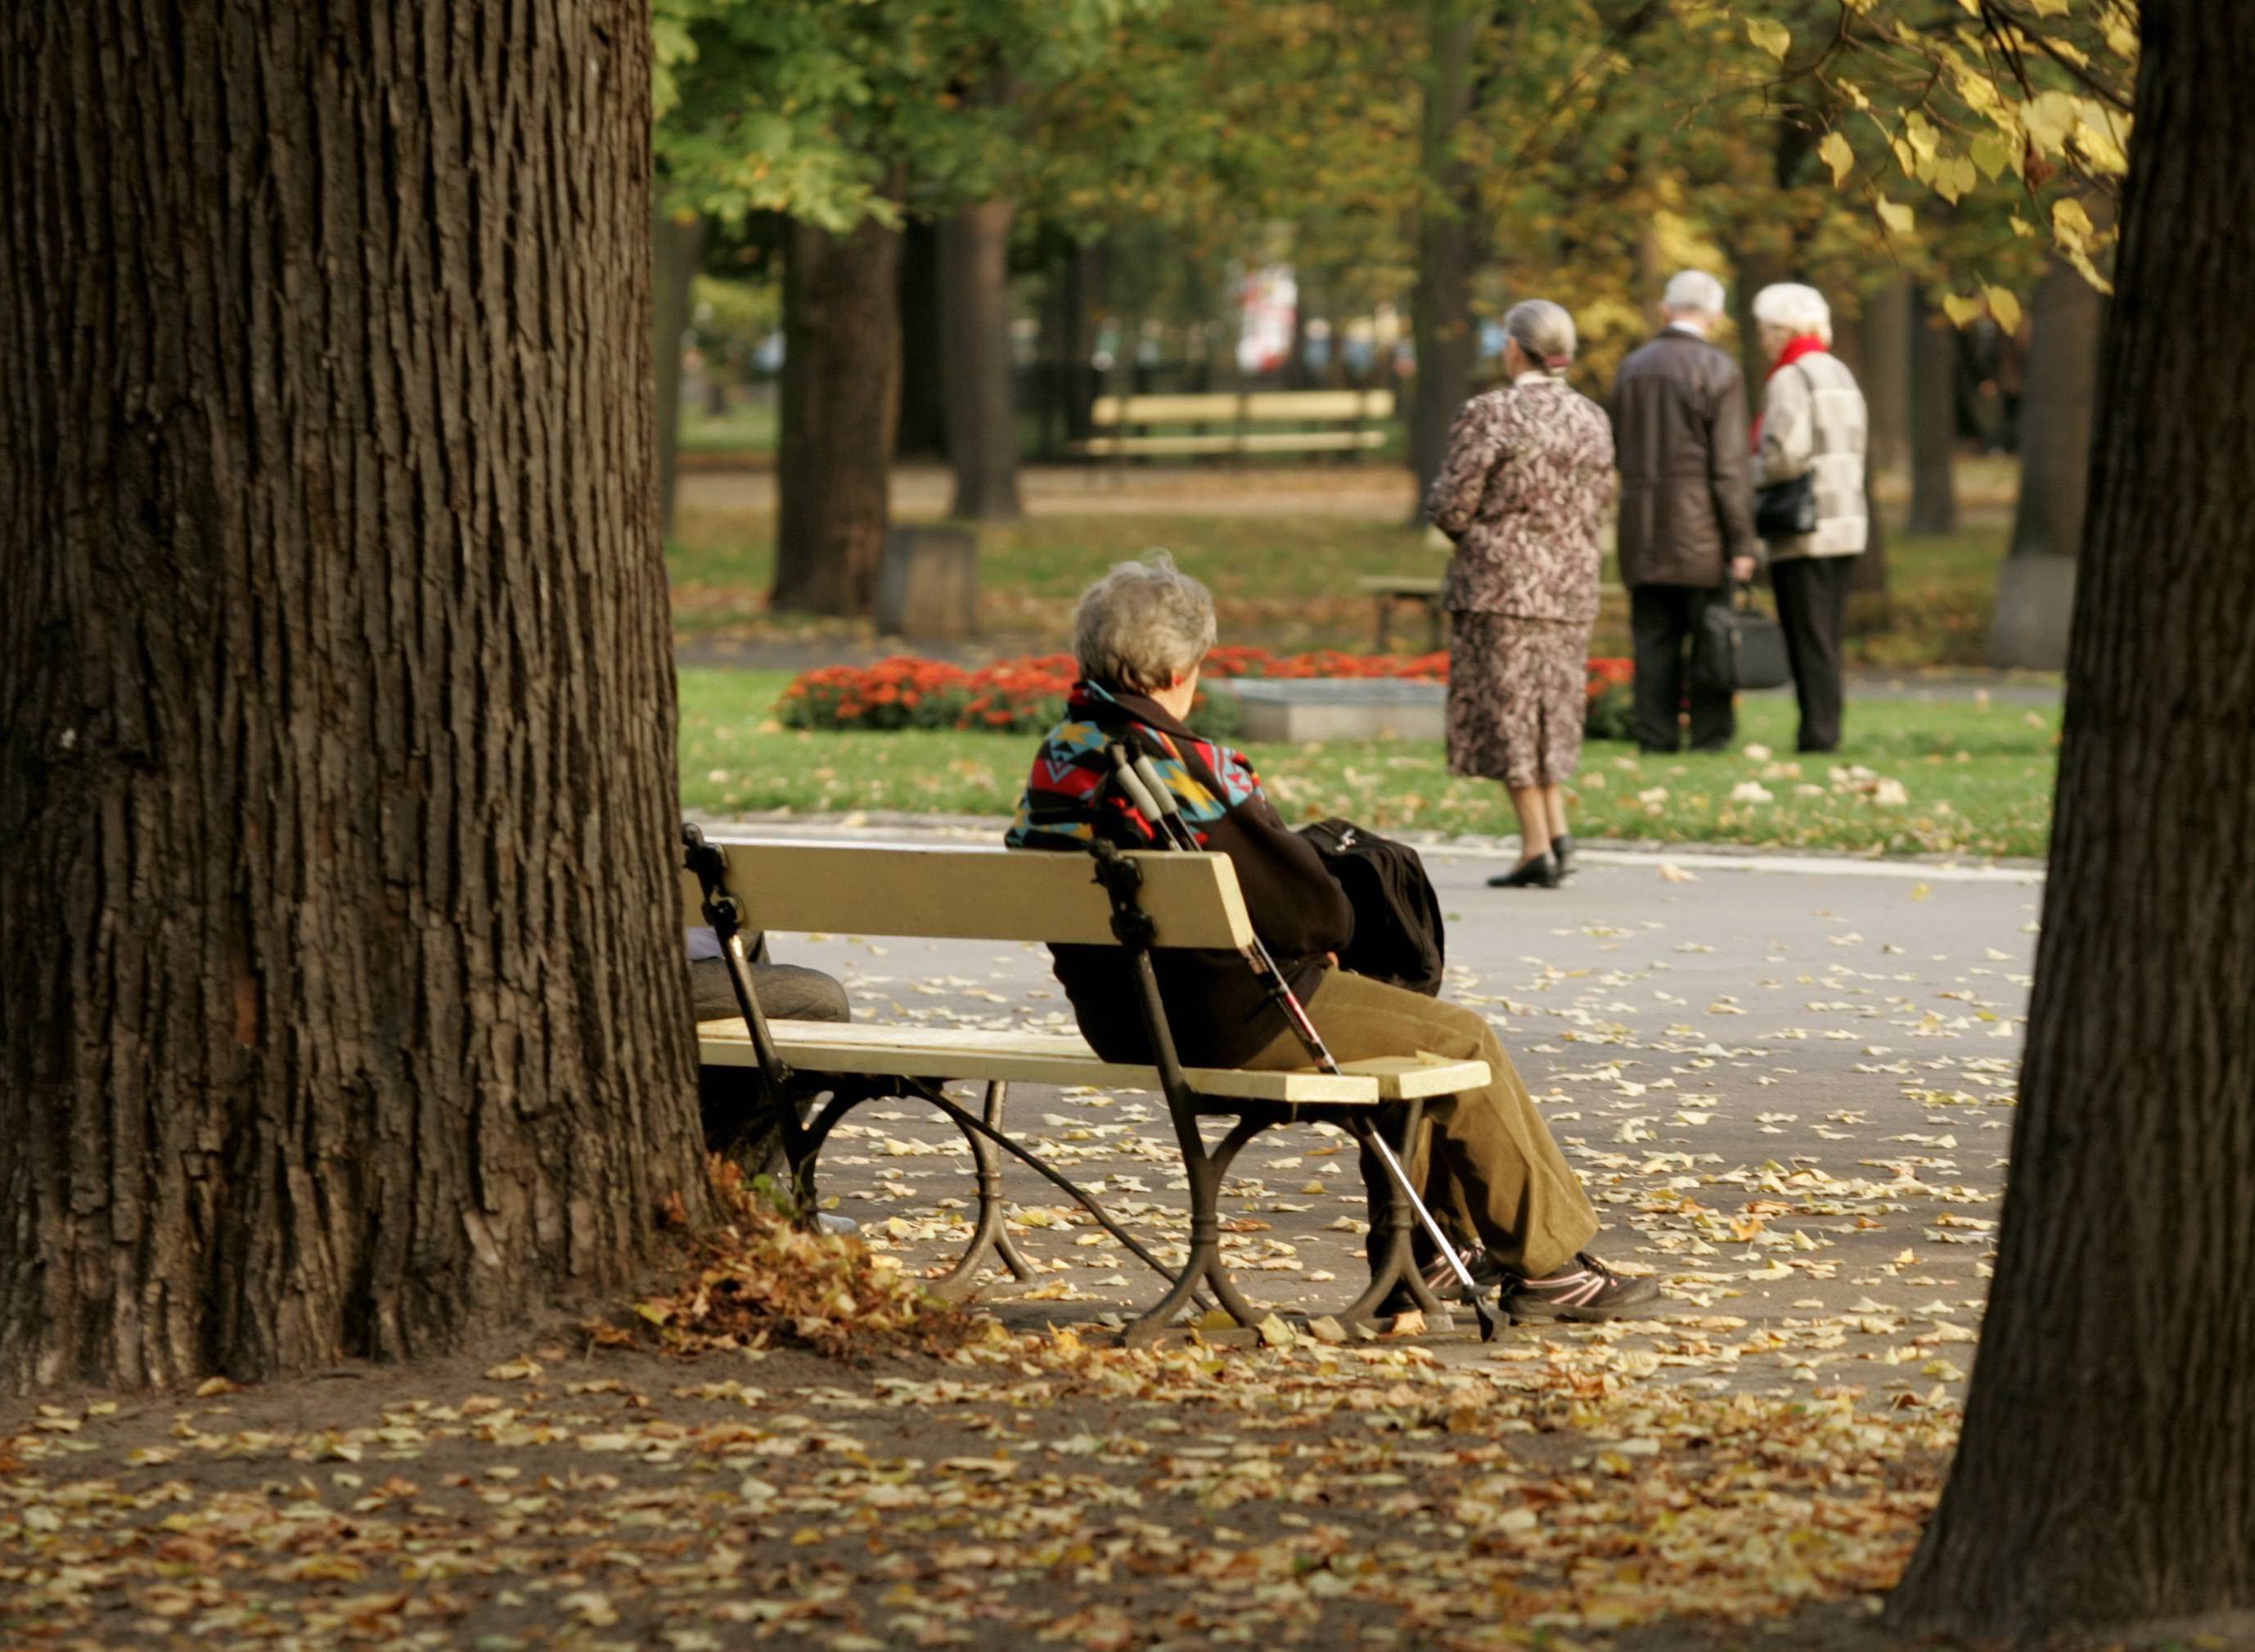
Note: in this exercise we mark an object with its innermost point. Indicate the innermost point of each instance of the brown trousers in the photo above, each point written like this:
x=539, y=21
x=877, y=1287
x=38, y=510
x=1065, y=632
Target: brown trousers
x=1484, y=1162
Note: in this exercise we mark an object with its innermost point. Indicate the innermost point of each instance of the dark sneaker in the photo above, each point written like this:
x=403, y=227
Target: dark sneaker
x=1441, y=1280
x=1585, y=1291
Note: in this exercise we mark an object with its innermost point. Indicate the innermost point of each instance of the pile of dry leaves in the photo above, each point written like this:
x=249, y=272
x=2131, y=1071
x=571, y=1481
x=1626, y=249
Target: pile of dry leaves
x=757, y=1279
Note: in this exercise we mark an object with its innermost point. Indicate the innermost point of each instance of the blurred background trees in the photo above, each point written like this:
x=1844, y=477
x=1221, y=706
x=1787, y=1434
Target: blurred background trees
x=969, y=222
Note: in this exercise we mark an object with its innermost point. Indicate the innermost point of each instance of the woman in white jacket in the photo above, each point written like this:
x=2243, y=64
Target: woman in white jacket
x=1813, y=423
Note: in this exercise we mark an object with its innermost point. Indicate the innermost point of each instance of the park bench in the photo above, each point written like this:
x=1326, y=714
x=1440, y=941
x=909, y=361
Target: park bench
x=1147, y=901
x=1127, y=418
x=1419, y=590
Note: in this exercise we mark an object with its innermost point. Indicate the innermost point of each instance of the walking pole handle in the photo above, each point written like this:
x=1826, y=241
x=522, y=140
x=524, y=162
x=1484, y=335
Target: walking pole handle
x=1138, y=794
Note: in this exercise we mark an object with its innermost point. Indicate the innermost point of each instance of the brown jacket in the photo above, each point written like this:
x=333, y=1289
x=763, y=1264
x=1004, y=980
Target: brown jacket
x=1523, y=493
x=1679, y=411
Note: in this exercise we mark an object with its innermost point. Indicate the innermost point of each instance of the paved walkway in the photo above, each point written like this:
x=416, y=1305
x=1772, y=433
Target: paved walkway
x=1788, y=1082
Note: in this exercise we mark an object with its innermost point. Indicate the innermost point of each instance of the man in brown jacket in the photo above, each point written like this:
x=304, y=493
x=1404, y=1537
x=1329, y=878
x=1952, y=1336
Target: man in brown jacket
x=1679, y=413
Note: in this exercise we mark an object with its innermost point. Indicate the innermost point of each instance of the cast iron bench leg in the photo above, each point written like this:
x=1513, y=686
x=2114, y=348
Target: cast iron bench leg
x=1397, y=1262
x=991, y=1234
x=1205, y=1172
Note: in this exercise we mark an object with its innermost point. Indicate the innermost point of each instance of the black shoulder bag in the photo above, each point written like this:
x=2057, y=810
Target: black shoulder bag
x=1788, y=509
x=1399, y=936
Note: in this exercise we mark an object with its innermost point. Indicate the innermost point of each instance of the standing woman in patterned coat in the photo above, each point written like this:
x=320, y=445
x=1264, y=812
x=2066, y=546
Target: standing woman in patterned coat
x=1524, y=492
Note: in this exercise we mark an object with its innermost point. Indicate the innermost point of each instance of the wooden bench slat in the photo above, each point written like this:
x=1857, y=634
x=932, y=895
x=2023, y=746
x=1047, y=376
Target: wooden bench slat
x=1306, y=441
x=1405, y=585
x=1221, y=407
x=971, y=894
x=1061, y=1058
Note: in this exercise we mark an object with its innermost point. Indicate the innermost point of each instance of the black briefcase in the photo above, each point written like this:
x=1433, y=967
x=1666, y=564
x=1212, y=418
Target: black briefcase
x=1739, y=647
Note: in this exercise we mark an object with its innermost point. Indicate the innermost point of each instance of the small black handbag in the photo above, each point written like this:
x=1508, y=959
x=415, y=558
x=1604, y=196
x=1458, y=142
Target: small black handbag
x=1739, y=647
x=1787, y=510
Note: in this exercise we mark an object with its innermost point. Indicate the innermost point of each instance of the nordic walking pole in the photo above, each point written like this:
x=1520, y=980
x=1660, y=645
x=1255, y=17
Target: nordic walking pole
x=1140, y=779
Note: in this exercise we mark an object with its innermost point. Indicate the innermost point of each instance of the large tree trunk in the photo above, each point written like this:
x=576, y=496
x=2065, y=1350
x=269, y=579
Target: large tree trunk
x=982, y=415
x=342, y=1010
x=1933, y=419
x=841, y=395
x=921, y=431
x=1440, y=303
x=2107, y=1472
x=2035, y=592
x=678, y=239
x=1885, y=373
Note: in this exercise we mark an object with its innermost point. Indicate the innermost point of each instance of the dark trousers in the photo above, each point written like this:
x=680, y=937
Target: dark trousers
x=1665, y=622
x=1812, y=607
x=728, y=1098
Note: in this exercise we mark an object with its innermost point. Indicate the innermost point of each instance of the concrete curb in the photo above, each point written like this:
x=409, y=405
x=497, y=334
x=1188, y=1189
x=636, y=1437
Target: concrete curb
x=1699, y=859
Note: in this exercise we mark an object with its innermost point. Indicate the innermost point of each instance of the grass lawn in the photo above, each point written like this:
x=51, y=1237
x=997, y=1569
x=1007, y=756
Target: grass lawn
x=1290, y=581
x=1974, y=778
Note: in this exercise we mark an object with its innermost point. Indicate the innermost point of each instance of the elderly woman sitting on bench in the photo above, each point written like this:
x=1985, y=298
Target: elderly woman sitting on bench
x=1487, y=1165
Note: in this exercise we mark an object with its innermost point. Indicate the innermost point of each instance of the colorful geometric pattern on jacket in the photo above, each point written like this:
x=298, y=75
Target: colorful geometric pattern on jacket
x=1069, y=797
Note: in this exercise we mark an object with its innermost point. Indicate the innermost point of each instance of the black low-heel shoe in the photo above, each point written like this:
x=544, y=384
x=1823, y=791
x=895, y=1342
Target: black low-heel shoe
x=1541, y=872
x=1562, y=850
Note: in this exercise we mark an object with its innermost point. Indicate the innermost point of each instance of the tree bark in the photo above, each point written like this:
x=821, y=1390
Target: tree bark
x=678, y=239
x=2035, y=590
x=922, y=429
x=841, y=395
x=982, y=415
x=1440, y=303
x=1933, y=419
x=1886, y=374
x=342, y=1010
x=2106, y=1477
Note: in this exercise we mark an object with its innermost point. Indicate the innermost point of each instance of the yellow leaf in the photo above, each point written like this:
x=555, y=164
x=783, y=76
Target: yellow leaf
x=1962, y=310
x=2070, y=221
x=1897, y=217
x=1772, y=38
x=1992, y=154
x=1836, y=153
x=2005, y=307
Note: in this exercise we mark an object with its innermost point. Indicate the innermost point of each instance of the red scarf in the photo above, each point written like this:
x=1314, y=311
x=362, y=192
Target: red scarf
x=1807, y=344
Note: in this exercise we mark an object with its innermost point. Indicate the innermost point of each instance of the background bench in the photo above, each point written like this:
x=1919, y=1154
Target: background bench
x=1127, y=418
x=956, y=894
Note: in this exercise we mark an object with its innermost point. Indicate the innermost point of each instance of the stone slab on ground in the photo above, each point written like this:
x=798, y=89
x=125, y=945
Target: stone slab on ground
x=1320, y=710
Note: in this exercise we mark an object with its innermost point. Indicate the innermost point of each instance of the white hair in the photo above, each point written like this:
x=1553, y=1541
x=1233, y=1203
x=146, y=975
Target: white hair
x=1544, y=332
x=1795, y=309
x=1142, y=625
x=1694, y=292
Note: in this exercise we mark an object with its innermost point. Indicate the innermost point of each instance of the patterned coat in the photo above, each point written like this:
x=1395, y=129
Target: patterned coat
x=1219, y=1012
x=1523, y=492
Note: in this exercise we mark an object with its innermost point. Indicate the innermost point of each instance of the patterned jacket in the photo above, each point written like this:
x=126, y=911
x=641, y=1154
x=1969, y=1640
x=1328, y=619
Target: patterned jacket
x=1814, y=419
x=1218, y=1011
x=1523, y=493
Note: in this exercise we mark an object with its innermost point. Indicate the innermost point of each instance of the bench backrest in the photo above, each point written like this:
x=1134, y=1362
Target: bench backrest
x=1253, y=405
x=970, y=894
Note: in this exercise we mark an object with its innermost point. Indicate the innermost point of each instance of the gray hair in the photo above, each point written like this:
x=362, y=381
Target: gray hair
x=1142, y=625
x=1795, y=309
x=1544, y=331
x=1694, y=292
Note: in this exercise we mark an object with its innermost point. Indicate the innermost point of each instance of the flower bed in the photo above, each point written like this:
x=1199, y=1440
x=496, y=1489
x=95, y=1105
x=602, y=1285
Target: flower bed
x=1026, y=695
